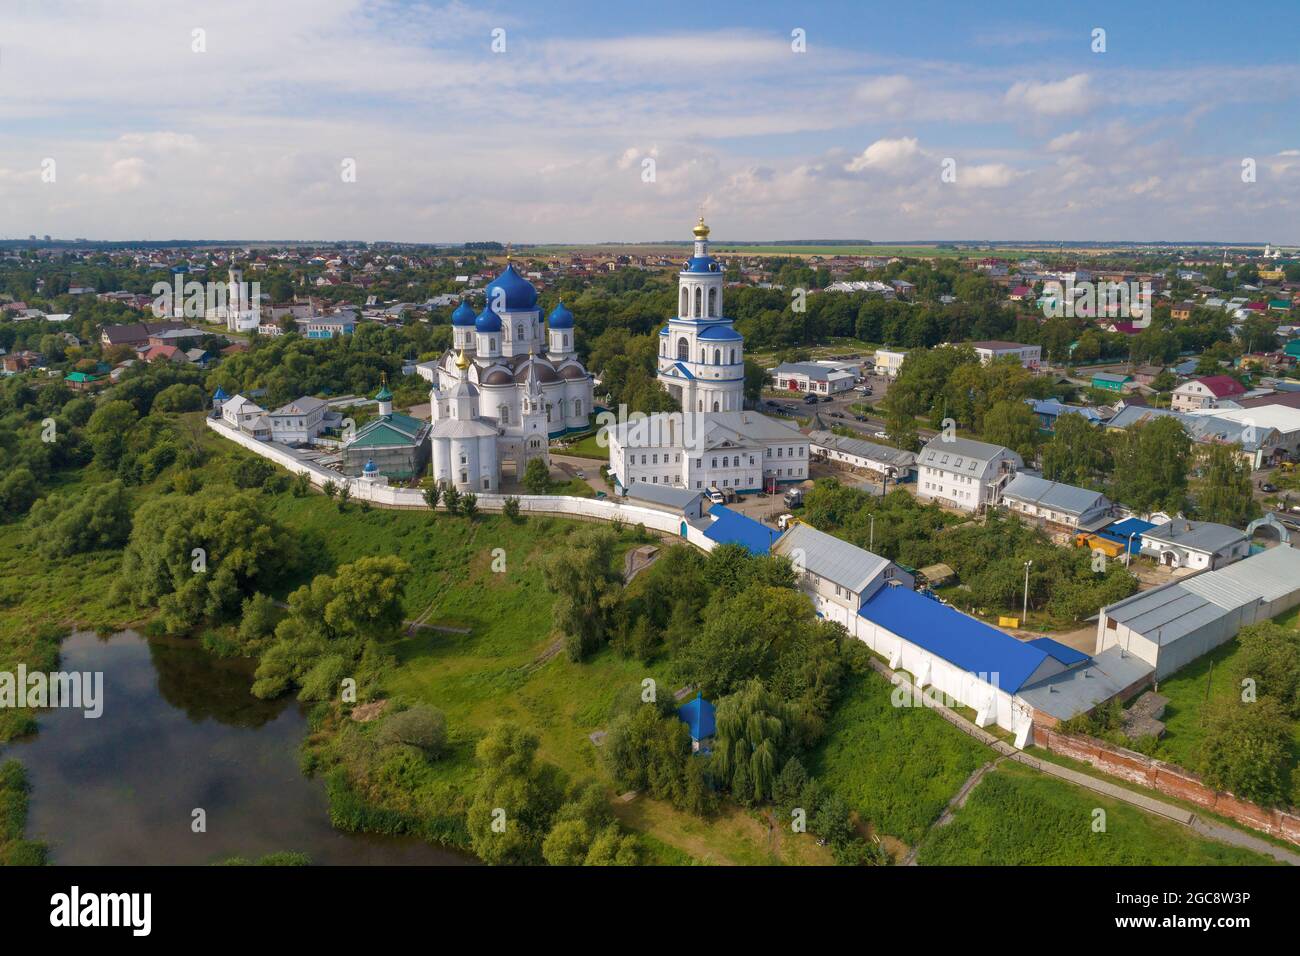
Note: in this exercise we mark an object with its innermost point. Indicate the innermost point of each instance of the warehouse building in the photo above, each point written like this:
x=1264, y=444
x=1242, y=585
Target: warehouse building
x=893, y=463
x=838, y=576
x=1199, y=545
x=1170, y=626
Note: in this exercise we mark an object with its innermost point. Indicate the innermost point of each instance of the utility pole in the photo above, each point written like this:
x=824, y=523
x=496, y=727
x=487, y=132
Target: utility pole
x=871, y=540
x=1024, y=614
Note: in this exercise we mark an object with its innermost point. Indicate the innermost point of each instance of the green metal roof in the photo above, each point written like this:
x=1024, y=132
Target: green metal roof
x=389, y=430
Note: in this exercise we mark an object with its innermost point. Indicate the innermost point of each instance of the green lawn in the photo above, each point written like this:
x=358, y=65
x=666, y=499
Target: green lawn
x=587, y=447
x=1017, y=816
x=896, y=766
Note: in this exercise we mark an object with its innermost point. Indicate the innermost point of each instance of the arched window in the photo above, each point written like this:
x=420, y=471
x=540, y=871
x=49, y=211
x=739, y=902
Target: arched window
x=683, y=349
x=713, y=301
x=577, y=407
x=565, y=340
x=717, y=356
x=733, y=356
x=699, y=302
x=560, y=409
x=492, y=345
x=684, y=309
x=701, y=404
x=503, y=413
x=726, y=462
x=519, y=331
x=715, y=407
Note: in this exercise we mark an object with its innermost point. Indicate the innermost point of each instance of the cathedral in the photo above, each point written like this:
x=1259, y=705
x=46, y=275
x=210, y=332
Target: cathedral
x=510, y=383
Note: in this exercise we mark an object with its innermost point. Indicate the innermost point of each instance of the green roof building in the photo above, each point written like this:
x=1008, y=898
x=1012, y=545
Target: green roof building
x=398, y=444
x=1110, y=381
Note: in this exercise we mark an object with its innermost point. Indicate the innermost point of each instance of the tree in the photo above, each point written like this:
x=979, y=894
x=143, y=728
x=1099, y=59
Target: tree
x=537, y=477
x=179, y=398
x=329, y=489
x=756, y=377
x=1077, y=453
x=1151, y=464
x=902, y=431
x=469, y=505
x=1247, y=751
x=98, y=518
x=422, y=727
x=432, y=495
x=516, y=798
x=1012, y=423
x=18, y=491
x=345, y=494
x=1225, y=493
x=587, y=589
x=510, y=508
x=1270, y=656
x=752, y=732
x=451, y=499
x=108, y=429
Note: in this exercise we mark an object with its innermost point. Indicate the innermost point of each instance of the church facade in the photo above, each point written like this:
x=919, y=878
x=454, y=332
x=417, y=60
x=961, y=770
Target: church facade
x=513, y=371
x=713, y=442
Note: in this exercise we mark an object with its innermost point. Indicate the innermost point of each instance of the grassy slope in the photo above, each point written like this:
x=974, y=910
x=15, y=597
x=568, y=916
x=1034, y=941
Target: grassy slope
x=896, y=766
x=1019, y=817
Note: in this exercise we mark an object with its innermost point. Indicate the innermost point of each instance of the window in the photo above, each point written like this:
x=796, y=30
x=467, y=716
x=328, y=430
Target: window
x=699, y=302
x=503, y=413
x=779, y=452
x=685, y=305
x=577, y=408
x=715, y=407
x=717, y=356
x=683, y=349
x=714, y=463
x=519, y=331
x=486, y=484
x=654, y=459
x=464, y=478
x=713, y=302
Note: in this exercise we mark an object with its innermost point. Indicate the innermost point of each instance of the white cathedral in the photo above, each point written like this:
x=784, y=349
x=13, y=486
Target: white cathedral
x=713, y=442
x=509, y=384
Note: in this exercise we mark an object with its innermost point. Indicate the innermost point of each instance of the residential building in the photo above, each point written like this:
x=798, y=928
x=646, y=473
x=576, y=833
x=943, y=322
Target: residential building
x=889, y=462
x=299, y=422
x=1111, y=381
x=889, y=362
x=1205, y=392
x=1056, y=504
x=1199, y=545
x=1030, y=356
x=964, y=473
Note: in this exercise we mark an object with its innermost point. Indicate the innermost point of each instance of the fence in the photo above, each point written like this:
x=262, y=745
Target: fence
x=594, y=509
x=1170, y=780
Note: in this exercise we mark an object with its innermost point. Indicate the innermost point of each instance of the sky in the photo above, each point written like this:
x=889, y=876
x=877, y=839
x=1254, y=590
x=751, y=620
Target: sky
x=575, y=122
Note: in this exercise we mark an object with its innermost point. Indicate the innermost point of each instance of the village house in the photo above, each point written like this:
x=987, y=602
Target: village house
x=1205, y=392
x=1056, y=504
x=964, y=473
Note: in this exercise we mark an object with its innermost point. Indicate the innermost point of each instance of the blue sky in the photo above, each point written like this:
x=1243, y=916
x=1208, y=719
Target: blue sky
x=116, y=126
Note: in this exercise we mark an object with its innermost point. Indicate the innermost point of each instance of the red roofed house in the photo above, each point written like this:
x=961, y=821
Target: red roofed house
x=169, y=352
x=1205, y=392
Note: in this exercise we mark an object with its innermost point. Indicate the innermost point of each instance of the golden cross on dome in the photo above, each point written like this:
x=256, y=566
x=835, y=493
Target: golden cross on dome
x=509, y=253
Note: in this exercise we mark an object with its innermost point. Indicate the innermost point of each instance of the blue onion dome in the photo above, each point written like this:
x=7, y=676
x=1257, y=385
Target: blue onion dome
x=464, y=315
x=520, y=296
x=701, y=264
x=370, y=467
x=488, y=321
x=560, y=318
x=384, y=395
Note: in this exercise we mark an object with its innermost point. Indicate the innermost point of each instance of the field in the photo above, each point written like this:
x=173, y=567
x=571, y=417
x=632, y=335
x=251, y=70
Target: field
x=1016, y=816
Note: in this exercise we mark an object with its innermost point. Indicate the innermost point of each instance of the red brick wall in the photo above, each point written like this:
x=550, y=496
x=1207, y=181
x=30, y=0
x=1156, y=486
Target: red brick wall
x=1171, y=780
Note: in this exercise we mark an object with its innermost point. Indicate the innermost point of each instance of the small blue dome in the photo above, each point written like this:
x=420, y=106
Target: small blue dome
x=464, y=315
x=219, y=395
x=698, y=264
x=488, y=321
x=518, y=292
x=560, y=318
x=370, y=467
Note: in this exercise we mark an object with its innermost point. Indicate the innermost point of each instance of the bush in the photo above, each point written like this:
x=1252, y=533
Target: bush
x=422, y=727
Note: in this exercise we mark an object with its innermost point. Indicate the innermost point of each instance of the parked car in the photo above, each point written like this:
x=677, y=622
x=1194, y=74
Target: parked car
x=880, y=434
x=826, y=398
x=810, y=399
x=837, y=414
x=716, y=496
x=581, y=474
x=859, y=418
x=1268, y=486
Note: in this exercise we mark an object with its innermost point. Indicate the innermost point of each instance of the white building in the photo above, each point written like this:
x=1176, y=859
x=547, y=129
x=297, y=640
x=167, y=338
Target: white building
x=839, y=577
x=894, y=463
x=1172, y=625
x=463, y=444
x=701, y=355
x=823, y=378
x=963, y=473
x=1199, y=545
x=889, y=363
x=1030, y=356
x=1205, y=392
x=739, y=451
x=298, y=422
x=247, y=416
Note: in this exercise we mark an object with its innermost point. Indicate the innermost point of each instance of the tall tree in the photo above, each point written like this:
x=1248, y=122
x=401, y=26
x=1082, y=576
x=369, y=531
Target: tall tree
x=1224, y=493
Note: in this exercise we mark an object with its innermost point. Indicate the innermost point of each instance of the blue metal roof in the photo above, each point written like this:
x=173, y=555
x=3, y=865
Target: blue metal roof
x=732, y=527
x=219, y=395
x=1063, y=653
x=698, y=714
x=699, y=264
x=1120, y=530
x=683, y=369
x=948, y=634
x=488, y=321
x=716, y=333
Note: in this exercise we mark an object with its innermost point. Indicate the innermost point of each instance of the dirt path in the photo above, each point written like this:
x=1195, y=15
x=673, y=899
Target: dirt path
x=956, y=803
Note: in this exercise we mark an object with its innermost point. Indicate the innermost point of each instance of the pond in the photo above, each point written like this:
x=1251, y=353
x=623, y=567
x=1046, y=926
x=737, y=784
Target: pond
x=179, y=732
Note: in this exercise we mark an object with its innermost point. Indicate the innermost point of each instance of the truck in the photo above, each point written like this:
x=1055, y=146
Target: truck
x=793, y=498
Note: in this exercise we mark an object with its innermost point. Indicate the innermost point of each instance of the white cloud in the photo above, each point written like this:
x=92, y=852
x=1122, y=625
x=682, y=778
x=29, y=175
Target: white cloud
x=887, y=155
x=1071, y=95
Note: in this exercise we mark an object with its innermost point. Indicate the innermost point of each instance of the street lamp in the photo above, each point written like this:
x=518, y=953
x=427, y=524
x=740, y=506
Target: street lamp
x=1024, y=614
x=871, y=540
x=1128, y=552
